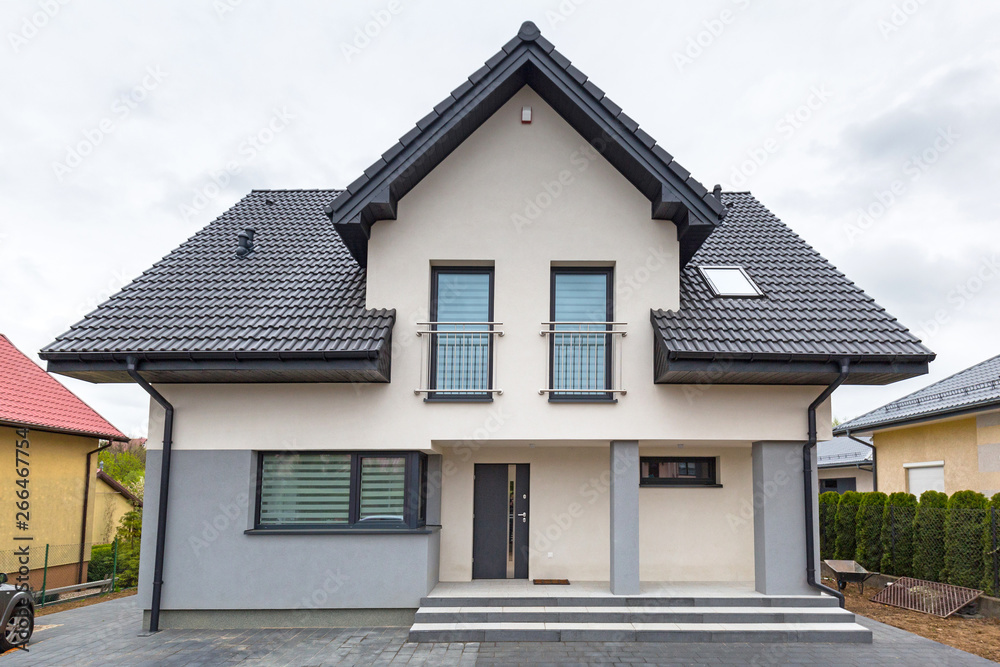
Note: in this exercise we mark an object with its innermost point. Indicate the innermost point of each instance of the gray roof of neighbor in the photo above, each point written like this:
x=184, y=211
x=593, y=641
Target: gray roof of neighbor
x=299, y=292
x=977, y=387
x=809, y=308
x=842, y=451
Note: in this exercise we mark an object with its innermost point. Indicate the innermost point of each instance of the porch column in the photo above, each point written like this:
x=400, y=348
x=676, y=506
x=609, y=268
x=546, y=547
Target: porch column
x=625, y=517
x=779, y=538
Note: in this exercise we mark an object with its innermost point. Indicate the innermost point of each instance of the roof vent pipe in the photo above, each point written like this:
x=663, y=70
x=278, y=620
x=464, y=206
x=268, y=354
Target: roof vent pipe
x=245, y=241
x=717, y=191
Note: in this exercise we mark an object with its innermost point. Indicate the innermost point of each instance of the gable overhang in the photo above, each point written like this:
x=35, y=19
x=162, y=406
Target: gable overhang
x=48, y=428
x=527, y=60
x=228, y=367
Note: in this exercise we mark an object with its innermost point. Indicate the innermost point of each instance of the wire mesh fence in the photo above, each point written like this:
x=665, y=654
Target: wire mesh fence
x=42, y=569
x=934, y=539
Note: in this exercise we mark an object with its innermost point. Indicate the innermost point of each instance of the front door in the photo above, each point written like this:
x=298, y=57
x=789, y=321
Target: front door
x=500, y=521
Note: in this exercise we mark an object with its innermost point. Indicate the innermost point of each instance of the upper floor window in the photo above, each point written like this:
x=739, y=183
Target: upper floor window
x=461, y=332
x=582, y=311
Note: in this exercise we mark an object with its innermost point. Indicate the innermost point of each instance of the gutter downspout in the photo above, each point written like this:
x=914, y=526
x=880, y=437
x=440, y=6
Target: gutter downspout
x=874, y=458
x=161, y=508
x=807, y=484
x=83, y=521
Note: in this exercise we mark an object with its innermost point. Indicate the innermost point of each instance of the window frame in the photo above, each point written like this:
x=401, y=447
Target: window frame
x=413, y=488
x=712, y=483
x=567, y=397
x=432, y=370
x=718, y=294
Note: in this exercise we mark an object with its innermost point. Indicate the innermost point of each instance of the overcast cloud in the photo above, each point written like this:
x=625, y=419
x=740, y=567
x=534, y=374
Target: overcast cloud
x=871, y=129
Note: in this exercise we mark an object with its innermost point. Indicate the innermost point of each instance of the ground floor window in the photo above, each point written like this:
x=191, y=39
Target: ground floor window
x=677, y=471
x=838, y=484
x=340, y=490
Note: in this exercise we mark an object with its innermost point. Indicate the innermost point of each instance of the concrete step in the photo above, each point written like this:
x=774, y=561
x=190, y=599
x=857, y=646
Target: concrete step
x=798, y=601
x=643, y=632
x=653, y=614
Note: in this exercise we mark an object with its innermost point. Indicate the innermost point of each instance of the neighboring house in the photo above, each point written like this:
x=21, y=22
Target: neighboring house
x=524, y=344
x=945, y=436
x=113, y=501
x=844, y=465
x=48, y=444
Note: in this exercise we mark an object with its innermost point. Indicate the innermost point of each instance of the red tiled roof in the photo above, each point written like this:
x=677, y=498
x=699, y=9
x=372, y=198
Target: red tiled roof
x=31, y=397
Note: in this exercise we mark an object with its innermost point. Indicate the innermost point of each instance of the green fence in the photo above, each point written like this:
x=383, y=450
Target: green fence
x=952, y=540
x=41, y=568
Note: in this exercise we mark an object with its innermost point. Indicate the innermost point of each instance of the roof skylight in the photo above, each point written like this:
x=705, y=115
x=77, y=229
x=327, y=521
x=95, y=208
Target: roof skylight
x=729, y=281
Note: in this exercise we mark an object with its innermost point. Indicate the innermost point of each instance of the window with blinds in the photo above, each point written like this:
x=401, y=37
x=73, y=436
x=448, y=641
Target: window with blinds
x=305, y=489
x=383, y=488
x=677, y=471
x=581, y=307
x=341, y=490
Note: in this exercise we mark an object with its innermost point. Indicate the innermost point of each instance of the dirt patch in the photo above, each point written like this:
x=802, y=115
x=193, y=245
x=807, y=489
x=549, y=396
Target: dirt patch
x=975, y=635
x=86, y=602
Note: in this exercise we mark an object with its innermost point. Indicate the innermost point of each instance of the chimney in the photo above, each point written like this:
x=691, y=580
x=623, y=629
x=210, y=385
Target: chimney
x=245, y=242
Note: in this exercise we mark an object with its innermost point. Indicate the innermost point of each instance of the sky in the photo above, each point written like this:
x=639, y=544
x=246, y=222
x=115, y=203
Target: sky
x=870, y=128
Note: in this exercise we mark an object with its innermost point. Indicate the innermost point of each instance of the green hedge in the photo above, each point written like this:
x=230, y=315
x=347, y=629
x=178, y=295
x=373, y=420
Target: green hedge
x=827, y=524
x=101, y=562
x=928, y=536
x=897, y=534
x=988, y=556
x=869, y=530
x=845, y=524
x=963, y=530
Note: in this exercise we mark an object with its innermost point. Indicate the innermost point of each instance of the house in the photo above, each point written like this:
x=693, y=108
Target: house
x=524, y=345
x=112, y=502
x=845, y=465
x=48, y=439
x=944, y=437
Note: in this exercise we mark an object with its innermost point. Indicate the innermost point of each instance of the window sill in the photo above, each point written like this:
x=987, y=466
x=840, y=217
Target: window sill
x=459, y=399
x=580, y=399
x=341, y=531
x=679, y=486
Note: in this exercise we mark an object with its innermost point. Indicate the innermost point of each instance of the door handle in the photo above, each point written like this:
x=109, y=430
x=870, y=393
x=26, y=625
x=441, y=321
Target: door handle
x=524, y=517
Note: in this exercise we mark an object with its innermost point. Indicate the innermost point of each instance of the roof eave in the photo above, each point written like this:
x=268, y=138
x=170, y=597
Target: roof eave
x=867, y=429
x=48, y=428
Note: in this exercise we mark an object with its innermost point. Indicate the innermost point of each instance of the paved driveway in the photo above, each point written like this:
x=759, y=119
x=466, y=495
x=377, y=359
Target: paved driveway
x=107, y=634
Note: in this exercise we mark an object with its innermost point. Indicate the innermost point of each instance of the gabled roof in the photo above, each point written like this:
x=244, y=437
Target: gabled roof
x=842, y=452
x=528, y=59
x=809, y=318
x=973, y=390
x=119, y=487
x=32, y=398
x=294, y=305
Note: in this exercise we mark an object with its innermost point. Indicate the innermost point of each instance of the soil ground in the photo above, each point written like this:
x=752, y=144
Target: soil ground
x=975, y=635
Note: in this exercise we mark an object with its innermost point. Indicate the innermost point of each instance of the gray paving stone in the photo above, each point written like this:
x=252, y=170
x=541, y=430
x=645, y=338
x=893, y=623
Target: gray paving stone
x=108, y=634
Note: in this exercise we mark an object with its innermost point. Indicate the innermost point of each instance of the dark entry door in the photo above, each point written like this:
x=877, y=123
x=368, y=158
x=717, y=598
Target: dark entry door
x=500, y=521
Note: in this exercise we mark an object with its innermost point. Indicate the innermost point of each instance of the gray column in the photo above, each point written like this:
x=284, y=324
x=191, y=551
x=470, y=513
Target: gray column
x=779, y=536
x=625, y=517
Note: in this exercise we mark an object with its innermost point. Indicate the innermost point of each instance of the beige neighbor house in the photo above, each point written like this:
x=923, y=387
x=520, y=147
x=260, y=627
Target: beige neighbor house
x=112, y=502
x=525, y=345
x=944, y=437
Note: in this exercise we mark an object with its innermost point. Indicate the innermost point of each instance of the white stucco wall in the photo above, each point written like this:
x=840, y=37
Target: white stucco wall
x=465, y=211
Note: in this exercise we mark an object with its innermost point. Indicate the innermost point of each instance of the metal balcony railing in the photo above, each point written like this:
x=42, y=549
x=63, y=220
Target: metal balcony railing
x=584, y=359
x=457, y=359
